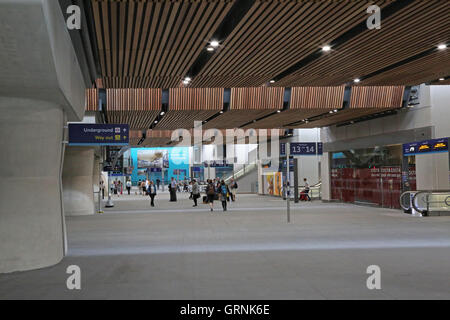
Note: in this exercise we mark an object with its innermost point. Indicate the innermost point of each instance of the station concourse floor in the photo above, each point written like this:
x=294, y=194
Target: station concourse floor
x=175, y=251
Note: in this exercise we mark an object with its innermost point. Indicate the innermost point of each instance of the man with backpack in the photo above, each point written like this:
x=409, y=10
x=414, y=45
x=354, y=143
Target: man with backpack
x=211, y=193
x=223, y=194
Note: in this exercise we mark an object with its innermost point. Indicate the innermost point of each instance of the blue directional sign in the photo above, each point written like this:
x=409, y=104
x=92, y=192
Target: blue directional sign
x=87, y=134
x=319, y=148
x=426, y=146
x=301, y=149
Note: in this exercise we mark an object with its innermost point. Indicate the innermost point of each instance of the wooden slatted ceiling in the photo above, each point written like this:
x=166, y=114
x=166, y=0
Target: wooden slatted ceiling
x=247, y=104
x=306, y=102
x=153, y=43
x=157, y=138
x=187, y=105
x=135, y=137
x=91, y=100
x=364, y=101
x=137, y=107
x=162, y=138
x=428, y=68
x=414, y=29
x=274, y=35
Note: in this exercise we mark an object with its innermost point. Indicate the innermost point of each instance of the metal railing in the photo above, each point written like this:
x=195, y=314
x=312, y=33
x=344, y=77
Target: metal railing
x=246, y=169
x=315, y=191
x=426, y=202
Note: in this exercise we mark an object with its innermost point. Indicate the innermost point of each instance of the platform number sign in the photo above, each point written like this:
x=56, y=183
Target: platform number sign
x=302, y=148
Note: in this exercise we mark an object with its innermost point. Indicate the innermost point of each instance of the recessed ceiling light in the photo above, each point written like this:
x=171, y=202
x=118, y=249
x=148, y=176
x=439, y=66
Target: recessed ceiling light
x=185, y=82
x=442, y=46
x=326, y=48
x=156, y=121
x=278, y=111
x=221, y=112
x=331, y=111
x=272, y=81
x=356, y=80
x=187, y=79
x=441, y=79
x=335, y=110
x=210, y=48
x=162, y=113
x=214, y=43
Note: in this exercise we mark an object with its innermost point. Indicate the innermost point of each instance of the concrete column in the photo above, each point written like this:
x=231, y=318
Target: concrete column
x=32, y=229
x=325, y=172
x=96, y=173
x=432, y=171
x=78, y=181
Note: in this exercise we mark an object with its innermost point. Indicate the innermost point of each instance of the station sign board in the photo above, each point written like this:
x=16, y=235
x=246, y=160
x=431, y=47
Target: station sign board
x=302, y=148
x=217, y=164
x=426, y=146
x=89, y=134
x=118, y=174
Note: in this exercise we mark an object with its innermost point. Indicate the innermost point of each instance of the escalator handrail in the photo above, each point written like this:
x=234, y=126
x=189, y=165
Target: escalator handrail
x=426, y=191
x=401, y=197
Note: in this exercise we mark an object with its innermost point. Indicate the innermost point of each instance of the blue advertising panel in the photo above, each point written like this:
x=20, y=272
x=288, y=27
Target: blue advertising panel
x=196, y=169
x=89, y=134
x=426, y=146
x=152, y=159
x=302, y=148
x=178, y=172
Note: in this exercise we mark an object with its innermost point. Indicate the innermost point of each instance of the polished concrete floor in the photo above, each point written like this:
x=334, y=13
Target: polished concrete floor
x=175, y=251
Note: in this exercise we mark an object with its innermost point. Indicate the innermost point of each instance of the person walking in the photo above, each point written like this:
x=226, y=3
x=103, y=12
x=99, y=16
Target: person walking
x=211, y=193
x=173, y=190
x=139, y=185
x=233, y=189
x=152, y=193
x=304, y=195
x=129, y=186
x=116, y=187
x=195, y=192
x=223, y=194
x=158, y=182
x=145, y=185
x=102, y=188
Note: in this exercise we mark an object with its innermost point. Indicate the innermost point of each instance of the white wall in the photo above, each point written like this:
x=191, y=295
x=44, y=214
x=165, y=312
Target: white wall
x=308, y=166
x=407, y=119
x=440, y=111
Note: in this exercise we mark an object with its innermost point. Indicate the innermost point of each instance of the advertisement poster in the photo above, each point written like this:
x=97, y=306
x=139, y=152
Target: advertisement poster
x=148, y=158
x=149, y=162
x=278, y=184
x=269, y=184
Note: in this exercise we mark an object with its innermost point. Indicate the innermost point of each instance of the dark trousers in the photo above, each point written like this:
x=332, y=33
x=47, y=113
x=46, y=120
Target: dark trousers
x=152, y=199
x=224, y=205
x=195, y=197
x=173, y=195
x=128, y=189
